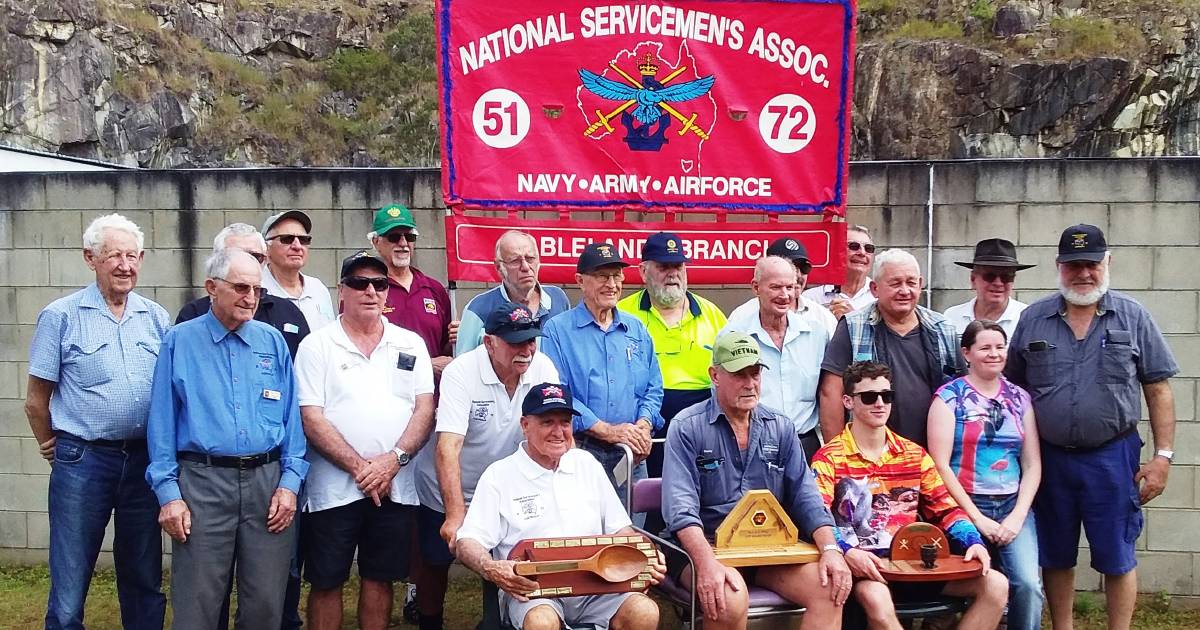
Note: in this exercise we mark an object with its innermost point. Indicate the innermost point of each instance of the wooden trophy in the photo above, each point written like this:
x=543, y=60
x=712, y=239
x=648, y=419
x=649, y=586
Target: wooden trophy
x=590, y=565
x=921, y=553
x=759, y=532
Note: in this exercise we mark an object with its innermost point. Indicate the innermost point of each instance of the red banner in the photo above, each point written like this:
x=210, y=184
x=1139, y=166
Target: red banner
x=741, y=106
x=720, y=252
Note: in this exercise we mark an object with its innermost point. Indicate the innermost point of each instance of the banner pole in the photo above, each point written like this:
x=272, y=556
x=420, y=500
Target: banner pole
x=929, y=243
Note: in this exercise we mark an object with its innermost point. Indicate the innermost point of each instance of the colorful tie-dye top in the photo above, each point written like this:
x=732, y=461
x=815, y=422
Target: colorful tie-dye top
x=872, y=500
x=988, y=436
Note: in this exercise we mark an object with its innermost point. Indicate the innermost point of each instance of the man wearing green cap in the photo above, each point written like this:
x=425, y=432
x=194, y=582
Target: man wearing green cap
x=414, y=300
x=716, y=451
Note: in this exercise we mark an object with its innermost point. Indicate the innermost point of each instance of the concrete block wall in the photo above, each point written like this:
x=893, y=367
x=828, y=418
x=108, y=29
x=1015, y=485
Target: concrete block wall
x=1149, y=209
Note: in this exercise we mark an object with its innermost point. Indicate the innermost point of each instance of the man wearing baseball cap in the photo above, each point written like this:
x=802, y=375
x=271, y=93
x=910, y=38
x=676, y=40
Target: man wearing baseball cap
x=1087, y=356
x=793, y=250
x=993, y=271
x=478, y=423
x=549, y=489
x=289, y=236
x=716, y=451
x=607, y=358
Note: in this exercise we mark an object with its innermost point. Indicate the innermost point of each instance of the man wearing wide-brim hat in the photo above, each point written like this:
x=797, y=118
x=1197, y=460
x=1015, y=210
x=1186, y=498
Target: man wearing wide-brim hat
x=993, y=271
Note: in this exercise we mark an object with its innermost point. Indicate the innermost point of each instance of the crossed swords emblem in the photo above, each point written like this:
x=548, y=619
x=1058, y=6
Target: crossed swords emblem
x=602, y=119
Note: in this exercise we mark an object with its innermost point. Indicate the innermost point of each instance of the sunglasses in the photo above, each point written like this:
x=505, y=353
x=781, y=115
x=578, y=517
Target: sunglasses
x=869, y=398
x=394, y=237
x=360, y=283
x=1004, y=276
x=242, y=288
x=855, y=246
x=288, y=239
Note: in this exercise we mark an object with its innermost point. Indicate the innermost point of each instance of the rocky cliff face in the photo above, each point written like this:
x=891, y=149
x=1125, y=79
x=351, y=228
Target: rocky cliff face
x=163, y=83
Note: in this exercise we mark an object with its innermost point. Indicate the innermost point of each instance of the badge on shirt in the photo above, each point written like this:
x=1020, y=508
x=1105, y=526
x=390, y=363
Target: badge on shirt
x=430, y=306
x=529, y=507
x=291, y=328
x=265, y=364
x=406, y=362
x=481, y=410
x=271, y=394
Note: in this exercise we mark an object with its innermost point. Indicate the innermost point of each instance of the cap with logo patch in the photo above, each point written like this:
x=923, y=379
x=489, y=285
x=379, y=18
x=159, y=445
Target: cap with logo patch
x=547, y=397
x=735, y=351
x=664, y=247
x=513, y=323
x=788, y=248
x=1081, y=242
x=597, y=255
x=391, y=217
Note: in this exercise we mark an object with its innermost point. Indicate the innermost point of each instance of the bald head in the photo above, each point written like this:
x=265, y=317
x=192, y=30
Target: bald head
x=517, y=262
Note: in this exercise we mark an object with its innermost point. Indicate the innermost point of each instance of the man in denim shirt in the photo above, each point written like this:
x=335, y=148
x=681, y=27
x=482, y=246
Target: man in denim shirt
x=719, y=449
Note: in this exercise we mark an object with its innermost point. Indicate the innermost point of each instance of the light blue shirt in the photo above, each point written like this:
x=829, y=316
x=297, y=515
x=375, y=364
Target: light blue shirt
x=223, y=392
x=789, y=384
x=613, y=374
x=470, y=328
x=102, y=366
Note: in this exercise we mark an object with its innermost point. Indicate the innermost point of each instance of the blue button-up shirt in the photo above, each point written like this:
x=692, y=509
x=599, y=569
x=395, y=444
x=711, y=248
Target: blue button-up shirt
x=223, y=392
x=789, y=384
x=102, y=366
x=1086, y=392
x=705, y=474
x=613, y=374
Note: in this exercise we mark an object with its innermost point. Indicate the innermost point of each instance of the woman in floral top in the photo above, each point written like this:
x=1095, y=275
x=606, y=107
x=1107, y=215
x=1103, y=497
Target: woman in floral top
x=983, y=438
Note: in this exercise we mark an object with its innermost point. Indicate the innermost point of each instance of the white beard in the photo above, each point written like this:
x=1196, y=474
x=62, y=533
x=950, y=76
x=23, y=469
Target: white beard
x=667, y=296
x=1084, y=299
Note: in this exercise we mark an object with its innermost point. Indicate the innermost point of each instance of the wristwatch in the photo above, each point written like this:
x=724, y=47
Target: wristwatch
x=402, y=458
x=1164, y=453
x=832, y=547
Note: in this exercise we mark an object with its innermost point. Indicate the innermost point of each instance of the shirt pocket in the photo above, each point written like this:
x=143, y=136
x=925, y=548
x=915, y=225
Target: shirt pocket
x=270, y=401
x=404, y=379
x=89, y=361
x=1040, y=367
x=1116, y=363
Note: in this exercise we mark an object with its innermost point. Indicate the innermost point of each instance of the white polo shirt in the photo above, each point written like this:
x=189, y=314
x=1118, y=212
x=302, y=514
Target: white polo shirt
x=369, y=400
x=809, y=311
x=824, y=294
x=475, y=404
x=963, y=314
x=314, y=300
x=517, y=499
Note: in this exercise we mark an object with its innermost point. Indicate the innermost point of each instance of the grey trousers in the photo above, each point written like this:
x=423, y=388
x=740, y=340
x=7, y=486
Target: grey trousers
x=229, y=520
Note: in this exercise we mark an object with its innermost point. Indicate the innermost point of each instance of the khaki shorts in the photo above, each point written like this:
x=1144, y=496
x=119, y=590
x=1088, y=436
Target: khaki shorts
x=594, y=610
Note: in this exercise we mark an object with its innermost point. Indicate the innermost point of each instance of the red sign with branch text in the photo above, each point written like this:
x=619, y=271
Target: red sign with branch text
x=730, y=105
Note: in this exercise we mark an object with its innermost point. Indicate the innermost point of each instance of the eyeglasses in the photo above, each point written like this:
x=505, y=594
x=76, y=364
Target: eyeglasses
x=869, y=398
x=1004, y=276
x=855, y=246
x=242, y=288
x=128, y=258
x=394, y=237
x=259, y=256
x=288, y=239
x=516, y=263
x=360, y=283
x=605, y=278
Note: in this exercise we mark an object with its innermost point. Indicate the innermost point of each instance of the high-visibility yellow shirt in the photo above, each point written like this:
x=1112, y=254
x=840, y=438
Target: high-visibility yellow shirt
x=685, y=349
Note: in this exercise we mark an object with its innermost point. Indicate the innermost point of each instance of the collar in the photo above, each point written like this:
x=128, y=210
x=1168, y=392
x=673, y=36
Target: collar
x=392, y=336
x=269, y=281
x=92, y=298
x=1009, y=314
x=419, y=281
x=545, y=303
x=795, y=326
x=1061, y=311
x=581, y=317
x=487, y=372
x=218, y=331
x=532, y=470
x=713, y=413
x=892, y=445
x=693, y=304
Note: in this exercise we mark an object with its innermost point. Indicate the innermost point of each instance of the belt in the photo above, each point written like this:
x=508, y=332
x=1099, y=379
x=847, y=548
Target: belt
x=136, y=443
x=240, y=462
x=1086, y=449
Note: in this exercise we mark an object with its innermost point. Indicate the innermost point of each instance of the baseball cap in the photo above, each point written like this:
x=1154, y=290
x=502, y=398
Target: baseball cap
x=513, y=323
x=286, y=214
x=788, y=248
x=1081, y=242
x=362, y=258
x=597, y=255
x=664, y=247
x=735, y=351
x=391, y=217
x=547, y=397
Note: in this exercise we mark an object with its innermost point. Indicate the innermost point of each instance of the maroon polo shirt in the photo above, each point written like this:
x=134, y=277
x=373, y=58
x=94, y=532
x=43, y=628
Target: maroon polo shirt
x=424, y=309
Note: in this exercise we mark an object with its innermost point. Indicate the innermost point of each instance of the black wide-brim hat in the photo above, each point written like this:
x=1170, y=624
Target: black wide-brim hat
x=995, y=252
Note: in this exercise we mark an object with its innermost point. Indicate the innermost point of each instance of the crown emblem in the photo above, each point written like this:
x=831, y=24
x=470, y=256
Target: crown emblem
x=552, y=390
x=647, y=66
x=393, y=212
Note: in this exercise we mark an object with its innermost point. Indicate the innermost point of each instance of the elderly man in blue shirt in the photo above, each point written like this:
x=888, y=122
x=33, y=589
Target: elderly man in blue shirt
x=607, y=359
x=227, y=452
x=718, y=450
x=90, y=366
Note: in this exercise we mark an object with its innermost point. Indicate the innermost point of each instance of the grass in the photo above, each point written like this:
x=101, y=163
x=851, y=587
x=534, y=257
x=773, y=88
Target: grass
x=927, y=30
x=1087, y=36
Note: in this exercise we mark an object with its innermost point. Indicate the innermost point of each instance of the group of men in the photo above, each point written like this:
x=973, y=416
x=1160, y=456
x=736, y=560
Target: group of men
x=408, y=440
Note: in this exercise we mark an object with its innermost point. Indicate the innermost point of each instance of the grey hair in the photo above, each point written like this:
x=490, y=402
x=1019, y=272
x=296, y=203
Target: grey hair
x=216, y=267
x=236, y=229
x=859, y=228
x=893, y=257
x=513, y=233
x=93, y=236
x=761, y=265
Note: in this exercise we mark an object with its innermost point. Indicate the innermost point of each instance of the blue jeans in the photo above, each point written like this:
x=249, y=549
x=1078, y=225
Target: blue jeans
x=87, y=483
x=1018, y=561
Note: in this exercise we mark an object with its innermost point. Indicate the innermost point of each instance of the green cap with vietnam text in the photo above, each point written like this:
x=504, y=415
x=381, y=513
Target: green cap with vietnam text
x=391, y=217
x=735, y=351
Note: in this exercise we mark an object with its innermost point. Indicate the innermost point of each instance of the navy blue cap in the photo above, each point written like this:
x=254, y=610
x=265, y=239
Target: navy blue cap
x=547, y=397
x=664, y=247
x=362, y=258
x=512, y=323
x=597, y=255
x=789, y=248
x=1081, y=242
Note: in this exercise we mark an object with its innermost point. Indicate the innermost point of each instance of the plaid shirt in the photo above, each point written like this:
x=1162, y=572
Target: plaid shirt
x=872, y=500
x=860, y=325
